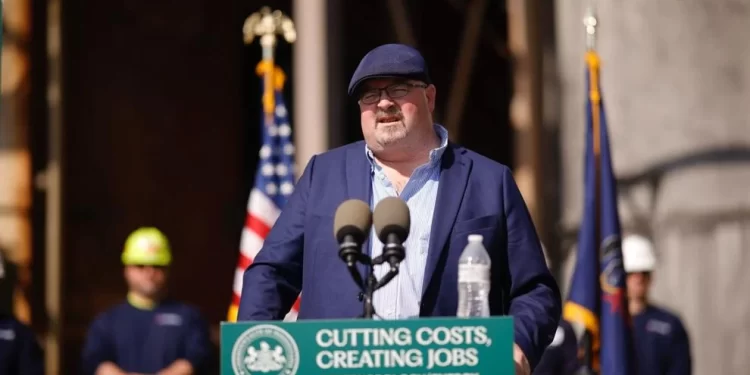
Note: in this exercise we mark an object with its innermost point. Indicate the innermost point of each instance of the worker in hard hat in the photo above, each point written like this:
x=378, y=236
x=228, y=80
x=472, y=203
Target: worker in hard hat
x=661, y=342
x=20, y=353
x=561, y=356
x=149, y=333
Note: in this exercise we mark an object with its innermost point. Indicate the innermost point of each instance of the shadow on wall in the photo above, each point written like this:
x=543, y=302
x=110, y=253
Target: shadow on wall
x=652, y=178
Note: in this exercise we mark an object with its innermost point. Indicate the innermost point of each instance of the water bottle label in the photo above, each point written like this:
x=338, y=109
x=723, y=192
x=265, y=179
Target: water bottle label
x=473, y=273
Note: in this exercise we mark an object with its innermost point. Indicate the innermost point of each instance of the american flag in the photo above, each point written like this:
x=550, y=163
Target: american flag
x=274, y=183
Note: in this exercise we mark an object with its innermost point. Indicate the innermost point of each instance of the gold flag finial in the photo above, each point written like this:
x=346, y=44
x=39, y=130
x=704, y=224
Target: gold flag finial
x=266, y=25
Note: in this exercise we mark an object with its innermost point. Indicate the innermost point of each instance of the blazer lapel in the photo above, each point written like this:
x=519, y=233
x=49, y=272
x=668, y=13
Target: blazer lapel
x=359, y=186
x=358, y=170
x=453, y=178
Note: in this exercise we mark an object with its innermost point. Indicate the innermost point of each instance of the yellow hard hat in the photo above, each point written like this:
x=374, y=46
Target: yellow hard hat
x=147, y=246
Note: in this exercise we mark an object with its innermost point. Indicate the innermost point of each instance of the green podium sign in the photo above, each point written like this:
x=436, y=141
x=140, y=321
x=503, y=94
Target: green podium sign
x=429, y=346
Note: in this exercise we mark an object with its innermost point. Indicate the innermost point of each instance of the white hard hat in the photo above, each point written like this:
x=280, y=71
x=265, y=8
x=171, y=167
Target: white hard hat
x=638, y=254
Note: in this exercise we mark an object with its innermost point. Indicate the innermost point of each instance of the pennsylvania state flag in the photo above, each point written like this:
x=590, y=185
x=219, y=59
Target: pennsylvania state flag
x=597, y=299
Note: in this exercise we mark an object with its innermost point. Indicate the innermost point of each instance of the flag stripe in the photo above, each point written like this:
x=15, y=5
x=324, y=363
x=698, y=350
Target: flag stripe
x=257, y=225
x=244, y=262
x=291, y=316
x=263, y=207
x=251, y=243
x=238, y=273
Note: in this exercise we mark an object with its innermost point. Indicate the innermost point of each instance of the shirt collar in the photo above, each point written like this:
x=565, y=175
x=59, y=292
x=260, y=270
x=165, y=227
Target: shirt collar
x=436, y=154
x=140, y=303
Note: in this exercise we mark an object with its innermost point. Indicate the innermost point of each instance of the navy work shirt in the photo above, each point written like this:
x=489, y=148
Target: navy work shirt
x=20, y=353
x=561, y=356
x=661, y=343
x=147, y=341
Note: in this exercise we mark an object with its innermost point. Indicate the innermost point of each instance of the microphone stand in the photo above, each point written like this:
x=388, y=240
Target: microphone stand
x=372, y=283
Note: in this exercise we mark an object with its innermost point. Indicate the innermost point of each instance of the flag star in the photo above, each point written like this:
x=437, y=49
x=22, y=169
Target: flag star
x=271, y=189
x=265, y=152
x=282, y=170
x=280, y=110
x=285, y=130
x=289, y=149
x=273, y=130
x=287, y=188
x=268, y=169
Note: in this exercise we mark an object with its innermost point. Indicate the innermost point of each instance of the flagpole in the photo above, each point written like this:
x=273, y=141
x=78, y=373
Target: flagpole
x=593, y=345
x=592, y=59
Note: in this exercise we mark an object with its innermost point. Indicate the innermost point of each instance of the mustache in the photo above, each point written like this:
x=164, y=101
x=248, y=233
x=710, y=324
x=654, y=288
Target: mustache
x=380, y=114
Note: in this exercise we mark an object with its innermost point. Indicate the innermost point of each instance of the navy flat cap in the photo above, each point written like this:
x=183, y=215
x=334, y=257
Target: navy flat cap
x=390, y=60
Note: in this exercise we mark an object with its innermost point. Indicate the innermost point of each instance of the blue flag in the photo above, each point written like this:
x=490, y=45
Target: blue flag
x=597, y=300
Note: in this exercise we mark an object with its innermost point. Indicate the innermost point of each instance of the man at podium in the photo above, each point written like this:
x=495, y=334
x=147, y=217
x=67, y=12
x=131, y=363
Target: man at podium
x=450, y=191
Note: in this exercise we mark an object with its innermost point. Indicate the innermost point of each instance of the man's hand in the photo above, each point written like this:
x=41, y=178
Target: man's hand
x=109, y=368
x=522, y=364
x=178, y=367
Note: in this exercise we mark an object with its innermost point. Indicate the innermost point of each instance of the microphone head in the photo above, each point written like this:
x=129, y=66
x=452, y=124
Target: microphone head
x=353, y=217
x=391, y=216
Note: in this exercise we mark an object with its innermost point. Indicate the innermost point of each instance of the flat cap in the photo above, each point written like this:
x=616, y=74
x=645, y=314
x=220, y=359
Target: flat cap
x=390, y=60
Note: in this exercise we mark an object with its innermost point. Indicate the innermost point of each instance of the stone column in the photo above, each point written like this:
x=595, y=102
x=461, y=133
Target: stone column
x=310, y=80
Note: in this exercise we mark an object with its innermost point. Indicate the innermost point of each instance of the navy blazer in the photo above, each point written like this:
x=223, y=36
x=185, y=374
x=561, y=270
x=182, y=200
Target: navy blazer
x=476, y=195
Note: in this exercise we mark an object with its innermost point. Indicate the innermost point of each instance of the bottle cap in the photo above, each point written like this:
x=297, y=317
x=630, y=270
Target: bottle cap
x=476, y=238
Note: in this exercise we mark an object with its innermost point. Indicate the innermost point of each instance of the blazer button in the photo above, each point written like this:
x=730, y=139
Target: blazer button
x=360, y=296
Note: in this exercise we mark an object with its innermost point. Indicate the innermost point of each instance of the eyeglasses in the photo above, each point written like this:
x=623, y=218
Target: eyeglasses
x=394, y=91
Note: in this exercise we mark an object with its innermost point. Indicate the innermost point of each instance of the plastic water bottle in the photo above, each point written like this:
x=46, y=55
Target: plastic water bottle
x=474, y=279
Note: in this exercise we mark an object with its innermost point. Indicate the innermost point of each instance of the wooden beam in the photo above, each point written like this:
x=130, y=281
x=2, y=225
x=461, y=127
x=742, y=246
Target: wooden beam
x=464, y=67
x=53, y=185
x=401, y=24
x=526, y=104
x=488, y=34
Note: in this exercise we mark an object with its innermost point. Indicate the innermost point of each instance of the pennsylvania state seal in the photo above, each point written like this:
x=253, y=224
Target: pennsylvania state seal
x=265, y=349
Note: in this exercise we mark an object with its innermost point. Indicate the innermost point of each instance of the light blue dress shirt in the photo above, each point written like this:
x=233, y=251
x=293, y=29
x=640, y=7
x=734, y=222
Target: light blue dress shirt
x=401, y=297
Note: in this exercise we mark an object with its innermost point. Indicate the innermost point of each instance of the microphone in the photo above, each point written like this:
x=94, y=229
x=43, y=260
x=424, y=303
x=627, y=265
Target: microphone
x=351, y=226
x=392, y=222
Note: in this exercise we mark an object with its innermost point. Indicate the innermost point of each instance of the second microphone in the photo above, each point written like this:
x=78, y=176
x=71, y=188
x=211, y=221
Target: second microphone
x=353, y=221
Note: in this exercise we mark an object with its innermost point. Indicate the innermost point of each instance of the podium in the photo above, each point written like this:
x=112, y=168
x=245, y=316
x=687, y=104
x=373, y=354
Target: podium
x=424, y=346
